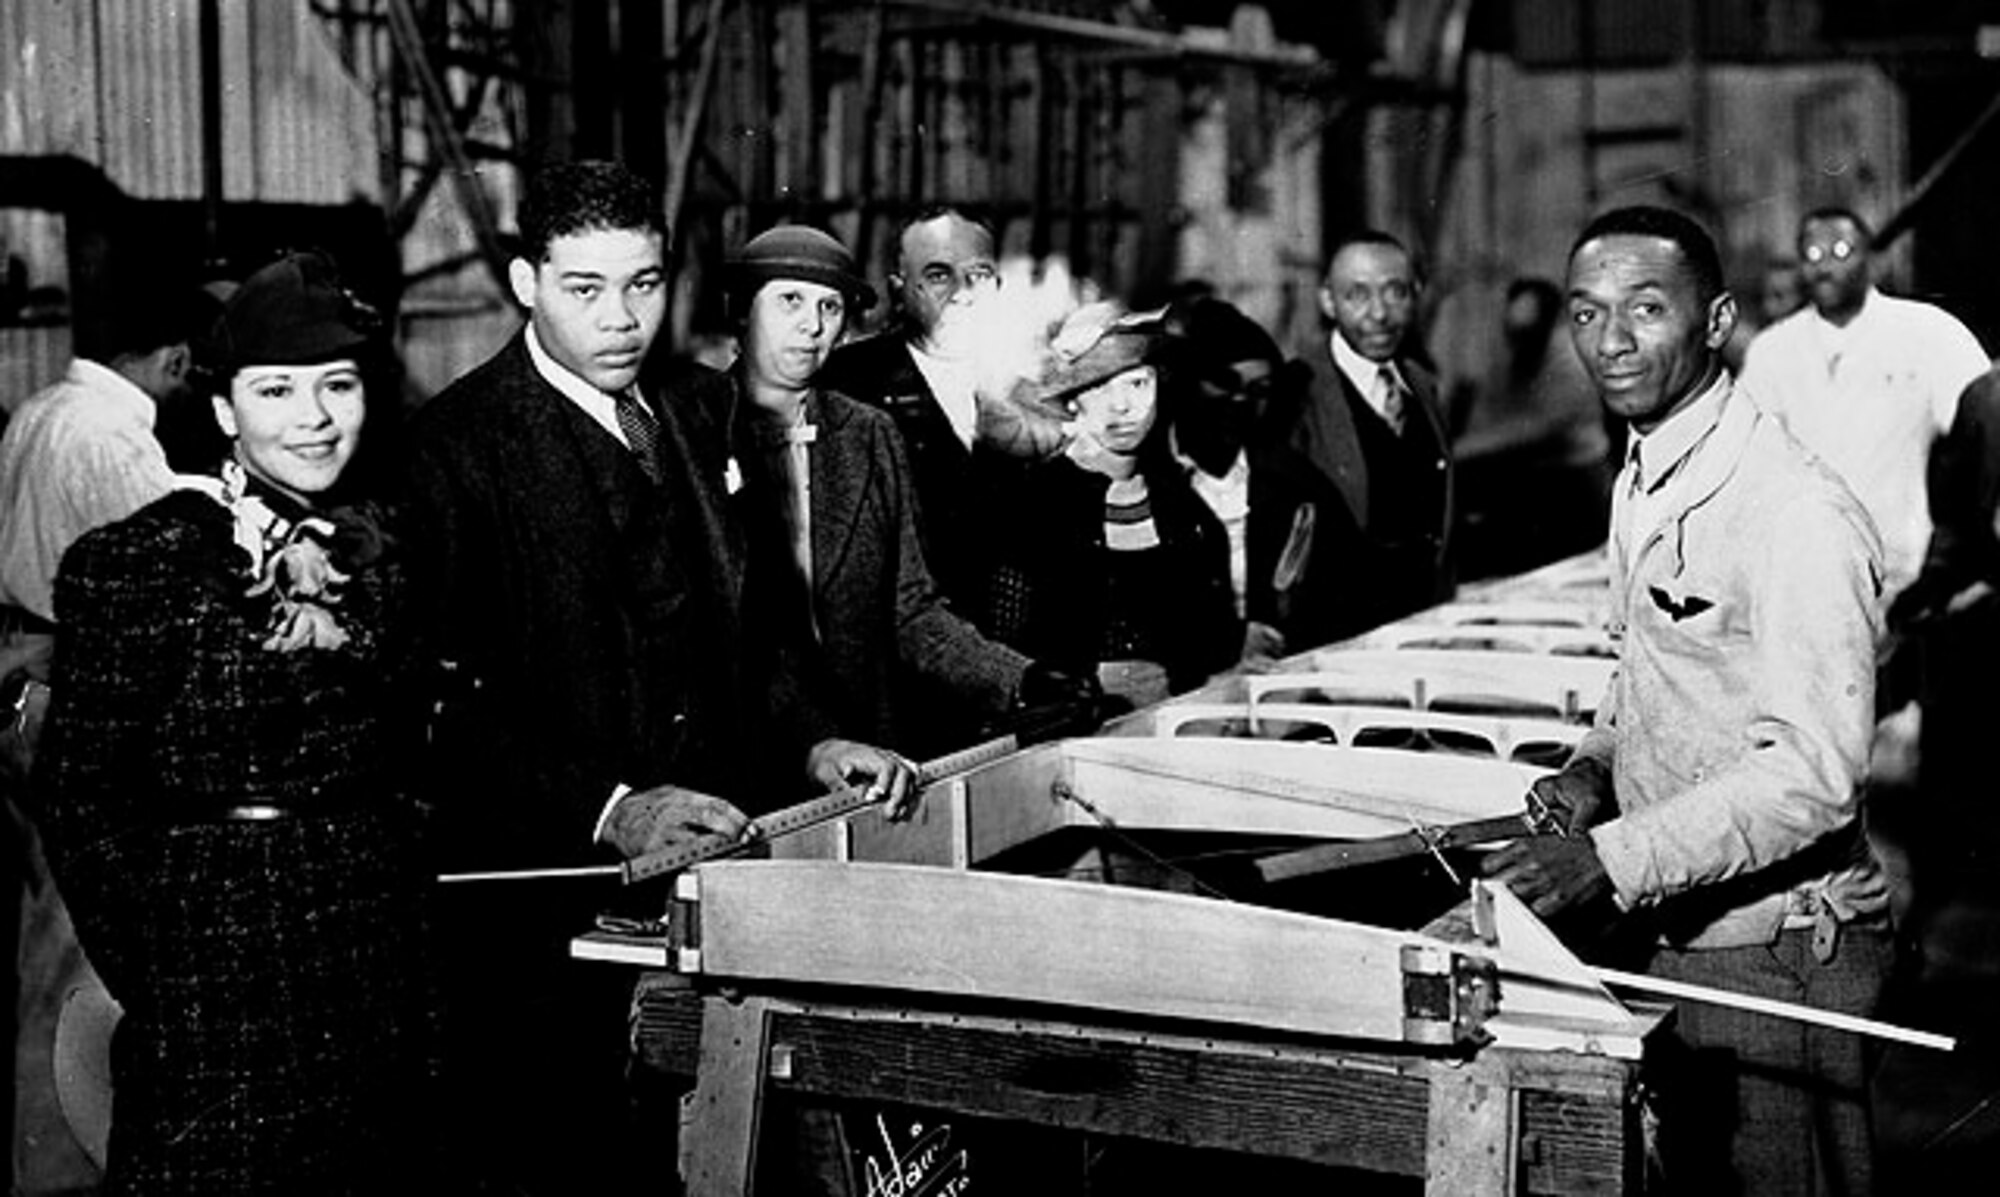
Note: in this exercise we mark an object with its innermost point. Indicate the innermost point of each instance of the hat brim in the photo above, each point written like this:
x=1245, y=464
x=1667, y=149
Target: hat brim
x=748, y=277
x=325, y=343
x=1112, y=355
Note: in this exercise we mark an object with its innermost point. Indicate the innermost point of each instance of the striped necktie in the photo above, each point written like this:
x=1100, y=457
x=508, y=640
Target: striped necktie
x=642, y=431
x=1393, y=398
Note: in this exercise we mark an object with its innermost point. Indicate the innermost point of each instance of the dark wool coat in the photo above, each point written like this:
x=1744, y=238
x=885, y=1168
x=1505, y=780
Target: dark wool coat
x=956, y=487
x=1947, y=656
x=904, y=669
x=1051, y=597
x=1309, y=450
x=593, y=628
x=279, y=1030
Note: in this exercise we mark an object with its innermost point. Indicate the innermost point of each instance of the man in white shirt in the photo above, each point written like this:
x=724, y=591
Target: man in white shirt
x=1716, y=801
x=1865, y=380
x=77, y=455
x=81, y=453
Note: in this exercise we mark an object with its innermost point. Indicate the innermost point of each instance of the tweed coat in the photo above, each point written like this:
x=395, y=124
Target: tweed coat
x=1311, y=451
x=592, y=628
x=904, y=669
x=279, y=1028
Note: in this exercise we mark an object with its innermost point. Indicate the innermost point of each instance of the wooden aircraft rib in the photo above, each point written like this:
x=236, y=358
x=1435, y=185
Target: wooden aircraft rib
x=1274, y=787
x=1252, y=787
x=1354, y=726
x=1557, y=686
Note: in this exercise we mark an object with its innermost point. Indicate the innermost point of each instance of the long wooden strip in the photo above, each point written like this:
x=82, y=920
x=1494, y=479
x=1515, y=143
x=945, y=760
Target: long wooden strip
x=1762, y=1005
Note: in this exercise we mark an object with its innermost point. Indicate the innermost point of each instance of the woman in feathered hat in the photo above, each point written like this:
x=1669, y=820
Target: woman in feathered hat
x=241, y=867
x=1117, y=567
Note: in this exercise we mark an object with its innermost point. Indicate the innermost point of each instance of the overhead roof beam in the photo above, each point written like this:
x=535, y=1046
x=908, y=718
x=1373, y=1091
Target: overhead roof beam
x=1158, y=41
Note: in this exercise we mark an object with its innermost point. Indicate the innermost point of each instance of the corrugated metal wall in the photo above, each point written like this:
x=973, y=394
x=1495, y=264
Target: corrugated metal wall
x=116, y=83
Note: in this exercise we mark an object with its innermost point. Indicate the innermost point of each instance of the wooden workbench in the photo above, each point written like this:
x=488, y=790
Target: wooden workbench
x=1496, y=1121
x=1479, y=1067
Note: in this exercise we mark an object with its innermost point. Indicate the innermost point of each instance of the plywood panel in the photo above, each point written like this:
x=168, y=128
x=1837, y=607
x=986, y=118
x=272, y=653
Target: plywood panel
x=991, y=936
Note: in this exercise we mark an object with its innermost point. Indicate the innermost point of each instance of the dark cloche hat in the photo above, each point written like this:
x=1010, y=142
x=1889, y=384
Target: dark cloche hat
x=798, y=251
x=293, y=312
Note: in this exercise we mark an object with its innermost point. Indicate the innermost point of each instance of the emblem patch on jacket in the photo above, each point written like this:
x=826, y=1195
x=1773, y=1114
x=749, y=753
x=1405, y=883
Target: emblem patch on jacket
x=1678, y=609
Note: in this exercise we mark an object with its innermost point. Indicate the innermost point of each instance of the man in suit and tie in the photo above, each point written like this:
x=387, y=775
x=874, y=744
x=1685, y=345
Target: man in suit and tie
x=606, y=660
x=1351, y=484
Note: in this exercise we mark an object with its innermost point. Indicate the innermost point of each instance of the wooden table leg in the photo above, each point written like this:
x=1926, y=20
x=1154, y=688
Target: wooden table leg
x=719, y=1128
x=1474, y=1121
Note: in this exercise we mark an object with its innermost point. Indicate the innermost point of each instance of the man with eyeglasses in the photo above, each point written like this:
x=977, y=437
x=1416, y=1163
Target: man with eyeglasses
x=1350, y=521
x=1865, y=380
x=925, y=371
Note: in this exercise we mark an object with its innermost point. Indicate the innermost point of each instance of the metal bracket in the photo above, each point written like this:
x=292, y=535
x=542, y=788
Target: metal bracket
x=683, y=920
x=1447, y=996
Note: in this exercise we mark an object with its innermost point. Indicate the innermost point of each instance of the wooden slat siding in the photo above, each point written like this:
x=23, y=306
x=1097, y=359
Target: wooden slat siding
x=1576, y=1144
x=1341, y=1108
x=796, y=130
x=746, y=120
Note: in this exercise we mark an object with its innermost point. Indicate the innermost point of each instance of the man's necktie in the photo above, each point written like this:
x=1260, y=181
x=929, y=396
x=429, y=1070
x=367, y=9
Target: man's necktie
x=642, y=432
x=1393, y=399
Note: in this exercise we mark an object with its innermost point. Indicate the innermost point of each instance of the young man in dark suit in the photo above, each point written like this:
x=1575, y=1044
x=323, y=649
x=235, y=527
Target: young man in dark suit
x=1355, y=477
x=592, y=609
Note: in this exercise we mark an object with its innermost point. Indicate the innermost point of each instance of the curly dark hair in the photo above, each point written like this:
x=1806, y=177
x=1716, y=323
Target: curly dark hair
x=565, y=198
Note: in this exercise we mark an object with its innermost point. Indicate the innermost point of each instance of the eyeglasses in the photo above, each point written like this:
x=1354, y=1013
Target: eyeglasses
x=1839, y=251
x=942, y=282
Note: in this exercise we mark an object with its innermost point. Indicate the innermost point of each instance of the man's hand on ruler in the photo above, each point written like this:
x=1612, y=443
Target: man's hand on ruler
x=1551, y=873
x=668, y=817
x=1575, y=799
x=890, y=779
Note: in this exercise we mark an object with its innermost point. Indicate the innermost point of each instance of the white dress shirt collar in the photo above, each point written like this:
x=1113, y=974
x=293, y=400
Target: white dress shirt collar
x=1364, y=374
x=595, y=403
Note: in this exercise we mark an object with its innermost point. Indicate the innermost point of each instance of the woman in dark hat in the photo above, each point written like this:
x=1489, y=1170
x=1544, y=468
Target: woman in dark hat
x=829, y=491
x=1117, y=568
x=217, y=795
